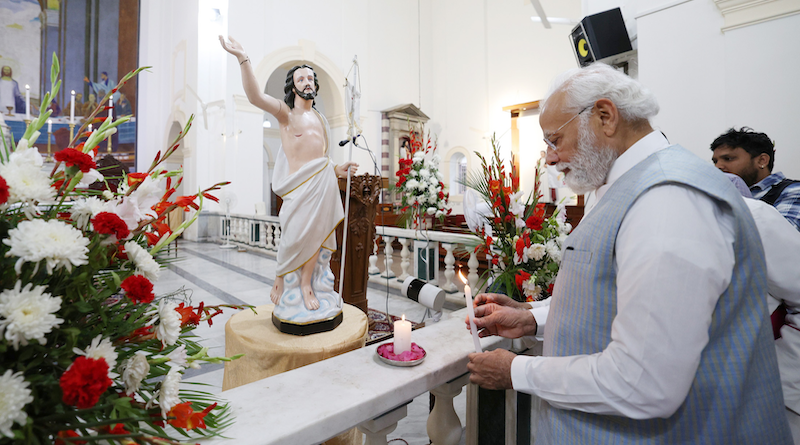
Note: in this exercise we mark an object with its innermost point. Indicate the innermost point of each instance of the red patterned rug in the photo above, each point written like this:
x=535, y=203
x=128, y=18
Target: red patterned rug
x=381, y=326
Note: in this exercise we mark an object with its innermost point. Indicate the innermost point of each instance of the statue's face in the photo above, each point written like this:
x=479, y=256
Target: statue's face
x=6, y=71
x=104, y=77
x=304, y=83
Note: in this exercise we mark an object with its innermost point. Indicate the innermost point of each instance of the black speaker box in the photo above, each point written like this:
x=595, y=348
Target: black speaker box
x=599, y=36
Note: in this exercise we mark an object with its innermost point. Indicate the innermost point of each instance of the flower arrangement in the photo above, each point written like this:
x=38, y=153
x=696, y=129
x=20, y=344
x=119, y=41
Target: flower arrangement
x=88, y=353
x=419, y=181
x=524, y=245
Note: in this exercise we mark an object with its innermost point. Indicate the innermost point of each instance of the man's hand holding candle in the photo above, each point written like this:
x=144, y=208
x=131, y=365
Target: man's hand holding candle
x=497, y=314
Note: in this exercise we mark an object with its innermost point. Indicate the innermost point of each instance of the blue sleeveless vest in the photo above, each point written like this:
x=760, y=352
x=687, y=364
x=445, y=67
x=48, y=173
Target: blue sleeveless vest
x=736, y=396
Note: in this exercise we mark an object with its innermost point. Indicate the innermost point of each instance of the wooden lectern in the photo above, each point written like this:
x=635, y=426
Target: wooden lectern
x=364, y=191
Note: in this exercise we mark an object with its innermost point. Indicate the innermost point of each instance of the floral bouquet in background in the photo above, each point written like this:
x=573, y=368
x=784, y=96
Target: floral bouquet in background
x=524, y=245
x=419, y=181
x=88, y=353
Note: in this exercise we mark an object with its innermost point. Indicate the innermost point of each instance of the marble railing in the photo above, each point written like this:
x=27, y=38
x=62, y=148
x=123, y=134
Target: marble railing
x=449, y=241
x=264, y=232
x=314, y=403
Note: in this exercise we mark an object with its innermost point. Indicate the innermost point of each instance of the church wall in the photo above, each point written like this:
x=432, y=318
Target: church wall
x=707, y=80
x=461, y=61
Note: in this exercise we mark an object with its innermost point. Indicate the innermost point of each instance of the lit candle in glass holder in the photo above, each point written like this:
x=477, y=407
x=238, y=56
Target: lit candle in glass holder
x=402, y=335
x=471, y=313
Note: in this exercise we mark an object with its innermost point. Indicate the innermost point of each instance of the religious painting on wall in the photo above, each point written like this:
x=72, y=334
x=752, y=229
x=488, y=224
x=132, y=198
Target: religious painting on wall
x=96, y=42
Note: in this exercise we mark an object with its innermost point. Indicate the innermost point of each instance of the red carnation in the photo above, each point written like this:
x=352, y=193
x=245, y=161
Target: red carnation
x=3, y=190
x=534, y=222
x=84, y=382
x=71, y=157
x=138, y=288
x=109, y=223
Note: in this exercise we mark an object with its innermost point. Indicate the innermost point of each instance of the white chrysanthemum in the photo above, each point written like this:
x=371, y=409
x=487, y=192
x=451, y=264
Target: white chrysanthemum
x=419, y=156
x=168, y=393
x=435, y=160
x=537, y=251
x=169, y=323
x=561, y=239
x=83, y=210
x=28, y=314
x=14, y=395
x=57, y=242
x=424, y=173
x=134, y=370
x=411, y=184
x=101, y=348
x=441, y=205
x=553, y=250
x=26, y=181
x=565, y=228
x=23, y=156
x=144, y=262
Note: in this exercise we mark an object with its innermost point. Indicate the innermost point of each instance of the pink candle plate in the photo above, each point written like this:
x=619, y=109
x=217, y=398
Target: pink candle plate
x=412, y=357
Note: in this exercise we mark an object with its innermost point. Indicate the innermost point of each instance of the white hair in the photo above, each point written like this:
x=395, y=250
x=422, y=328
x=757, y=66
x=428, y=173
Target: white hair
x=584, y=86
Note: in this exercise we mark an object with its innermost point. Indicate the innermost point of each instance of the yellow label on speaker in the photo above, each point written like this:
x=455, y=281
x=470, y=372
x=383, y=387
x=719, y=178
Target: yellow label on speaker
x=582, y=50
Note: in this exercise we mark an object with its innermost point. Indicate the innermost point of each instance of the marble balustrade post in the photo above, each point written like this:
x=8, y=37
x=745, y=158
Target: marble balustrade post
x=387, y=254
x=373, y=259
x=473, y=272
x=404, y=261
x=268, y=236
x=449, y=269
x=444, y=426
x=378, y=428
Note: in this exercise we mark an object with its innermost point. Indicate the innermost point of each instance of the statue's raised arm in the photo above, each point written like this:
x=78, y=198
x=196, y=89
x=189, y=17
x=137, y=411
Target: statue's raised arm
x=256, y=97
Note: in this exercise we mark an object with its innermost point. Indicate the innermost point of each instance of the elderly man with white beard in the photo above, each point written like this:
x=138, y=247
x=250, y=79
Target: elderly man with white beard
x=658, y=329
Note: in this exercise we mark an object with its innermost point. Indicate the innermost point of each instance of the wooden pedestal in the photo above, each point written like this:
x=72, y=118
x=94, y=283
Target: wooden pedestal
x=364, y=191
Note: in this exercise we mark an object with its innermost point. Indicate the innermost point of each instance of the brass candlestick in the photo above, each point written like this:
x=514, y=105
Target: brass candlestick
x=49, y=158
x=10, y=109
x=109, y=143
x=71, y=131
x=27, y=122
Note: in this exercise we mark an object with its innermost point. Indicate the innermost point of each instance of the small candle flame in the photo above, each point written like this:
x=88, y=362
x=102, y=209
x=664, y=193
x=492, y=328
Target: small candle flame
x=73, y=92
x=27, y=87
x=461, y=277
x=404, y=317
x=49, y=121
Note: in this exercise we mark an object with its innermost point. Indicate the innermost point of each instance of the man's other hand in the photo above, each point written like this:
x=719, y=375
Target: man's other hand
x=491, y=370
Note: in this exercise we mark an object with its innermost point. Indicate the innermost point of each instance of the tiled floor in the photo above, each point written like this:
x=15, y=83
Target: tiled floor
x=226, y=276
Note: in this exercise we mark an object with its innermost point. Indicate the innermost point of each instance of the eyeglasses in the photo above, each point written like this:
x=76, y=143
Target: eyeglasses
x=550, y=143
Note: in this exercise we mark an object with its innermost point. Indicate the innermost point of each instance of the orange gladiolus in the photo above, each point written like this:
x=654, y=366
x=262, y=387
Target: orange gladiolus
x=185, y=417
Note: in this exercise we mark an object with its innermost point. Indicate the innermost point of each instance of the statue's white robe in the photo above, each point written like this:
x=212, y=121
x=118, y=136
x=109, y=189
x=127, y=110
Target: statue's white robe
x=311, y=210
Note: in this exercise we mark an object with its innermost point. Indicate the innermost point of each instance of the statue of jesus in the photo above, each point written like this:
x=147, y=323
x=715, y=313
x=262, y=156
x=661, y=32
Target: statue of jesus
x=305, y=179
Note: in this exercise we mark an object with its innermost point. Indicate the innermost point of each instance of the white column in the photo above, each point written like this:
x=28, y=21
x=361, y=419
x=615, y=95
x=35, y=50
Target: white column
x=377, y=429
x=449, y=269
x=404, y=259
x=444, y=427
x=387, y=253
x=373, y=259
x=473, y=272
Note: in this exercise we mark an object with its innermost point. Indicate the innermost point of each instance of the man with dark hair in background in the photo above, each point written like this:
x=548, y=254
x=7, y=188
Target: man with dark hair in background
x=751, y=156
